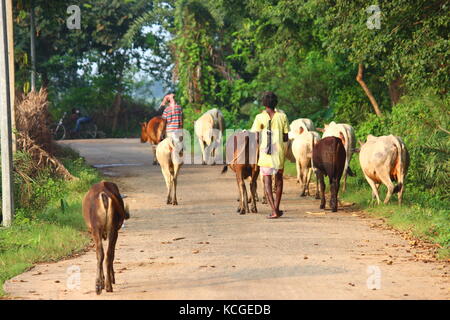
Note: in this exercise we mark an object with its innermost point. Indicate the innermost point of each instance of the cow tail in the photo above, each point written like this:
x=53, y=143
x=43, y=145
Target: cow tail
x=401, y=163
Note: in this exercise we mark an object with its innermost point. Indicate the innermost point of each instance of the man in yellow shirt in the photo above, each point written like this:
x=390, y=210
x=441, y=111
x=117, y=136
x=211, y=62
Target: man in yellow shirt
x=273, y=128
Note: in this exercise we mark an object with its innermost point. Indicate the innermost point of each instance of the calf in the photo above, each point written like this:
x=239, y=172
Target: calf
x=153, y=132
x=329, y=160
x=104, y=213
x=302, y=147
x=346, y=133
x=209, y=129
x=170, y=157
x=382, y=160
x=242, y=158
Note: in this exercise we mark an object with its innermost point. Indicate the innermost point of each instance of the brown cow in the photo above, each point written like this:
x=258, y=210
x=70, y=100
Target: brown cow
x=242, y=158
x=329, y=160
x=104, y=213
x=153, y=132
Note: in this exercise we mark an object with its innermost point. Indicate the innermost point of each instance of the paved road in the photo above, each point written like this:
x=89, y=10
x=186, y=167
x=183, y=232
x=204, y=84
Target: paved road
x=202, y=249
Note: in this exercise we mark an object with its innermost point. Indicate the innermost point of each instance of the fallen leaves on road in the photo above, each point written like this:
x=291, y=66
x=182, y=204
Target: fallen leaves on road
x=181, y=238
x=316, y=213
x=195, y=251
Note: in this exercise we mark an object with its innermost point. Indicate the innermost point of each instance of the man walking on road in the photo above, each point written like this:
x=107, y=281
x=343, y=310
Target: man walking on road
x=173, y=114
x=273, y=126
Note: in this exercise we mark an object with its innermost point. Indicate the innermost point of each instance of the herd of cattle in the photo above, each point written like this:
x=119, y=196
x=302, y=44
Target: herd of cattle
x=383, y=160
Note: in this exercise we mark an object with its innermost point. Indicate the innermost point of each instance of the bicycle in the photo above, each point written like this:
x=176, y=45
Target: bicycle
x=58, y=130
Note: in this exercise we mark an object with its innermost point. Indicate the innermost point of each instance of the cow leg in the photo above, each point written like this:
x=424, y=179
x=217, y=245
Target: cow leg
x=400, y=192
x=168, y=179
x=317, y=196
x=344, y=185
x=308, y=180
x=241, y=194
x=321, y=180
x=100, y=278
x=374, y=187
x=297, y=167
x=253, y=191
x=384, y=177
x=202, y=148
x=110, y=279
x=304, y=181
x=245, y=200
x=155, y=161
x=334, y=188
x=174, y=183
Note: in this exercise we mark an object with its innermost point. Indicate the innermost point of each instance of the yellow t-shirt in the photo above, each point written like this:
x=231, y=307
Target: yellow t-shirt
x=279, y=126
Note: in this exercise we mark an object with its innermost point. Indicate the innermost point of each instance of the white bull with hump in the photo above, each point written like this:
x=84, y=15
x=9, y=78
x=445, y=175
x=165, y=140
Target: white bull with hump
x=346, y=133
x=302, y=146
x=382, y=160
x=169, y=153
x=209, y=129
x=298, y=126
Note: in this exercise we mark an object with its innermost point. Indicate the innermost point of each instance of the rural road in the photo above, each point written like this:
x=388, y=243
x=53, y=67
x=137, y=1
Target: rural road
x=202, y=249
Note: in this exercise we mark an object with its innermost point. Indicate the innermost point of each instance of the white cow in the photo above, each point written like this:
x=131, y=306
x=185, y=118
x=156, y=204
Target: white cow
x=382, y=160
x=209, y=129
x=169, y=153
x=302, y=123
x=302, y=147
x=346, y=133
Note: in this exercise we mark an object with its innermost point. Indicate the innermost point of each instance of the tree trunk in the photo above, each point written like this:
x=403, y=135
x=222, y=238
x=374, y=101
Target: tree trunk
x=396, y=90
x=366, y=89
x=116, y=109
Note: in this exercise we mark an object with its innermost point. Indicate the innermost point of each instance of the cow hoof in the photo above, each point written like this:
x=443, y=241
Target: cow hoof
x=322, y=206
x=303, y=194
x=334, y=210
x=98, y=289
x=169, y=202
x=254, y=210
x=203, y=163
x=238, y=209
x=175, y=203
x=317, y=197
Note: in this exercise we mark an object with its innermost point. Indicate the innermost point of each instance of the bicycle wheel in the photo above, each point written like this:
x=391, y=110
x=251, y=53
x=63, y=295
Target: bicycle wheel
x=88, y=131
x=58, y=131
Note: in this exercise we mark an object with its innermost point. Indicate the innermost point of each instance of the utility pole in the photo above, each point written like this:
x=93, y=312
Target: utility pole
x=5, y=123
x=12, y=81
x=33, y=47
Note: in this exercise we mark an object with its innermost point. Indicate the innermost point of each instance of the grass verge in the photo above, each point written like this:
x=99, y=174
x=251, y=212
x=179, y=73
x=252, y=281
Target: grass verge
x=421, y=215
x=52, y=230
